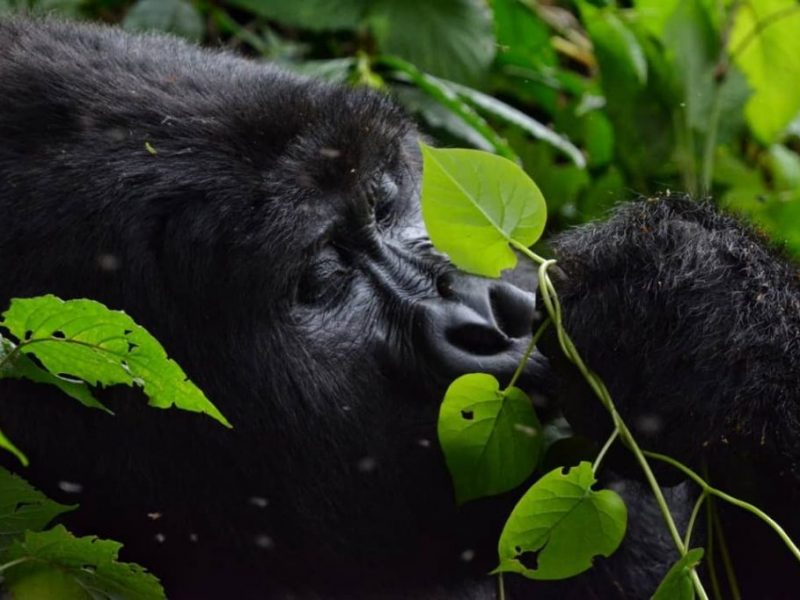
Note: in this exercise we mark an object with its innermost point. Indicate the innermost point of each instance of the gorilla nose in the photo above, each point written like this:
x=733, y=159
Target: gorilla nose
x=503, y=312
x=478, y=324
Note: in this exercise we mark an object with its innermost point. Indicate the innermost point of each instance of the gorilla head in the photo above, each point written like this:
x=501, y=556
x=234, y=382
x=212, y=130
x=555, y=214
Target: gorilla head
x=267, y=230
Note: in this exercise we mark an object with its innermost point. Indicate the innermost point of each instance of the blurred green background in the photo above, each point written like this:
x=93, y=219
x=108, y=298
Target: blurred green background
x=600, y=101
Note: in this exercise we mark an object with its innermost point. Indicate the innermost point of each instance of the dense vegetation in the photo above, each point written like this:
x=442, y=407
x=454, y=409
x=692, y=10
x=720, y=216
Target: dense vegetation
x=596, y=101
x=599, y=100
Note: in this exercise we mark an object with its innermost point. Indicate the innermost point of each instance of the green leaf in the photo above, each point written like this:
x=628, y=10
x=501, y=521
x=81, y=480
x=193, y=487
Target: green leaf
x=82, y=339
x=784, y=166
x=448, y=38
x=511, y=115
x=693, y=46
x=560, y=525
x=314, y=15
x=173, y=16
x=22, y=367
x=522, y=38
x=446, y=96
x=765, y=46
x=677, y=584
x=617, y=42
x=22, y=507
x=474, y=204
x=59, y=565
x=491, y=439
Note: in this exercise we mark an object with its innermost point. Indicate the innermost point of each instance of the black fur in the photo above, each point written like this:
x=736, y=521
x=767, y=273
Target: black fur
x=693, y=322
x=266, y=229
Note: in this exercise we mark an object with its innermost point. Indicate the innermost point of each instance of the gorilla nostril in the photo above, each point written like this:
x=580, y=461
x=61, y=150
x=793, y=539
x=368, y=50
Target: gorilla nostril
x=477, y=338
x=513, y=309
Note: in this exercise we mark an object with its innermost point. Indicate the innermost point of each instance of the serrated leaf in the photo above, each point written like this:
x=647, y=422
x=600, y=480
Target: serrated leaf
x=69, y=568
x=23, y=507
x=82, y=339
x=677, y=584
x=448, y=38
x=22, y=367
x=474, y=204
x=770, y=59
x=491, y=439
x=173, y=16
x=560, y=525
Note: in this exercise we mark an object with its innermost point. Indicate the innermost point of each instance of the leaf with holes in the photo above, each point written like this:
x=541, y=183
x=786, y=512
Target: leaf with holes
x=677, y=584
x=475, y=204
x=23, y=507
x=560, y=525
x=56, y=564
x=83, y=340
x=491, y=439
x=20, y=366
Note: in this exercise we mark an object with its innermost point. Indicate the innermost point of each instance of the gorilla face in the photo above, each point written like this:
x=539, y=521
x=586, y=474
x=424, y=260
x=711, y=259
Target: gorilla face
x=267, y=230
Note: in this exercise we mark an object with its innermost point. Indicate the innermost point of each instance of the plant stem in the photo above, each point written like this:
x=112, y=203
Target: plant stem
x=551, y=302
x=603, y=450
x=501, y=588
x=712, y=569
x=528, y=351
x=727, y=563
x=687, y=538
x=730, y=499
x=14, y=563
x=710, y=145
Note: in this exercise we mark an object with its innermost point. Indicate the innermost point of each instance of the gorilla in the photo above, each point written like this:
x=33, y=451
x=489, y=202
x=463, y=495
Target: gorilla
x=266, y=229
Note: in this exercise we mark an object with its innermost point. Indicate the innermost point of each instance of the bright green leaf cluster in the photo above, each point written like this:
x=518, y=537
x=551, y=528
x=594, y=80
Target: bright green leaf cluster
x=56, y=564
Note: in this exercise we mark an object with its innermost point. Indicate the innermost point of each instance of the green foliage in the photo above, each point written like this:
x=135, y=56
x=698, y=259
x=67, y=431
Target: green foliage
x=491, y=438
x=83, y=340
x=677, y=584
x=476, y=204
x=765, y=45
x=560, y=525
x=22, y=508
x=38, y=564
x=56, y=564
x=449, y=38
x=642, y=96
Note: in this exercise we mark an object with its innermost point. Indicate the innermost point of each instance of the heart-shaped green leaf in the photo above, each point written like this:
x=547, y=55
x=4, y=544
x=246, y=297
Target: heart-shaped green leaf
x=677, y=584
x=491, y=438
x=475, y=204
x=560, y=525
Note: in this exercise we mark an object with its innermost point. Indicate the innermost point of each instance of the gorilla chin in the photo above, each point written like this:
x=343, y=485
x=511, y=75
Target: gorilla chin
x=266, y=228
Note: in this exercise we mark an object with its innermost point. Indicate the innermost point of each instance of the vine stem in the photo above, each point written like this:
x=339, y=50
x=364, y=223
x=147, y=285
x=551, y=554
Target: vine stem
x=528, y=351
x=14, y=563
x=687, y=538
x=603, y=450
x=550, y=299
x=708, y=489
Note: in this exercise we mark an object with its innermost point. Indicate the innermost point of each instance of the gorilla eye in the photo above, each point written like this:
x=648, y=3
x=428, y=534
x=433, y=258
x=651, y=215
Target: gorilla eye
x=324, y=278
